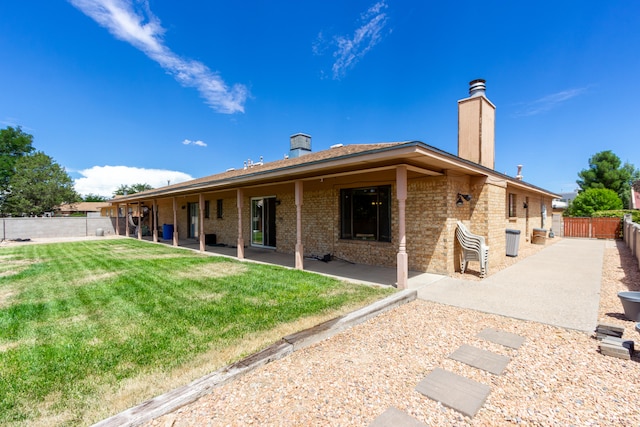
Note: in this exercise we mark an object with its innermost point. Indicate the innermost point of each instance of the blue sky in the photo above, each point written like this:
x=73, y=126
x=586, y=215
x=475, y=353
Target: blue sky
x=128, y=91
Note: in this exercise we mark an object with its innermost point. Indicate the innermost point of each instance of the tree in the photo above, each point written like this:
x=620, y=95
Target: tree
x=94, y=198
x=593, y=200
x=38, y=185
x=606, y=171
x=14, y=143
x=124, y=189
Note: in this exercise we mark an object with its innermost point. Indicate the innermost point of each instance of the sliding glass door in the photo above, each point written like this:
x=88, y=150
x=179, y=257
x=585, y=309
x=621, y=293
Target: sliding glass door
x=263, y=222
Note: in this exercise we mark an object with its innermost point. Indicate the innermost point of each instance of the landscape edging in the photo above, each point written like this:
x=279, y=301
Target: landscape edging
x=181, y=396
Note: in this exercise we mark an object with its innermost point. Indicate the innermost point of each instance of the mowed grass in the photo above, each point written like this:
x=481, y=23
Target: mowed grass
x=90, y=328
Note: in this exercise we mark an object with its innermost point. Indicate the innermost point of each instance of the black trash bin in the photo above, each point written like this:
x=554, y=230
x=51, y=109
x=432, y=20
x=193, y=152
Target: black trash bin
x=513, y=242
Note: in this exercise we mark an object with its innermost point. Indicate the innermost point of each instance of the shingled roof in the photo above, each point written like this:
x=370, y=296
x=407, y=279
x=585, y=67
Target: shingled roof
x=261, y=168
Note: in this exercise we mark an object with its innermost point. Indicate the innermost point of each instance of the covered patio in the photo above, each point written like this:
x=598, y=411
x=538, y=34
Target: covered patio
x=339, y=268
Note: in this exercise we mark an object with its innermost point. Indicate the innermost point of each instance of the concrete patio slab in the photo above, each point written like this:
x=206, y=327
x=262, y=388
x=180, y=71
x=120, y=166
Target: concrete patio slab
x=559, y=286
x=454, y=391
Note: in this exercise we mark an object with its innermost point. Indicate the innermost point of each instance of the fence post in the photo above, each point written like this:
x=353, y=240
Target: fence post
x=634, y=239
x=626, y=220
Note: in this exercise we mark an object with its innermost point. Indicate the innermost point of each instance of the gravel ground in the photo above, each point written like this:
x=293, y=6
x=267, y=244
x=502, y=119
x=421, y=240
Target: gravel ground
x=557, y=377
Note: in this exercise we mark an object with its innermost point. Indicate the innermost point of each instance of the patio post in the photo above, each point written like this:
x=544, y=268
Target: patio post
x=154, y=213
x=175, y=222
x=201, y=221
x=126, y=219
x=117, y=218
x=403, y=257
x=139, y=220
x=240, y=197
x=299, y=248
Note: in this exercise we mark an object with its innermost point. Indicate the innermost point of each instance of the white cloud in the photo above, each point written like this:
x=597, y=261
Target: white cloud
x=350, y=49
x=132, y=21
x=198, y=143
x=104, y=180
x=548, y=102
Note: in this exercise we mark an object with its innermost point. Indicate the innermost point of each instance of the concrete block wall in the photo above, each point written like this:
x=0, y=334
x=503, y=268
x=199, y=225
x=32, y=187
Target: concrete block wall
x=631, y=237
x=34, y=228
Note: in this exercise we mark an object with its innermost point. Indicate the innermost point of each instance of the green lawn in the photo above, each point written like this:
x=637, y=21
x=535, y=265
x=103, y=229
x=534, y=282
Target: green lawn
x=80, y=321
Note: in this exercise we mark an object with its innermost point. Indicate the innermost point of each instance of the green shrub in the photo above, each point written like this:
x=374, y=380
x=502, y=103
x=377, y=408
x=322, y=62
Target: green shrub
x=592, y=200
x=635, y=214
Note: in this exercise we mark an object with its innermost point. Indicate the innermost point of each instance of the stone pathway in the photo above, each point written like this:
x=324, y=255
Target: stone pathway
x=455, y=391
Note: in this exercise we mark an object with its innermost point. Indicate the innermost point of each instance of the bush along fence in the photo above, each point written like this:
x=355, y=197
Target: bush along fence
x=631, y=236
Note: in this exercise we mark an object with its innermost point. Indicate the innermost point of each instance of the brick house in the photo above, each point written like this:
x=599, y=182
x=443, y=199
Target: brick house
x=388, y=204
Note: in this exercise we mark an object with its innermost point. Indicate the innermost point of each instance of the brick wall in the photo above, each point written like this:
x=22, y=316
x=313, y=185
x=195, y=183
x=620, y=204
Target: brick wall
x=526, y=219
x=431, y=215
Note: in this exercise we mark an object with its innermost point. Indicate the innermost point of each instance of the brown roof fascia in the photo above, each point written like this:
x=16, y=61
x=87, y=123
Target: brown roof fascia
x=277, y=171
x=332, y=161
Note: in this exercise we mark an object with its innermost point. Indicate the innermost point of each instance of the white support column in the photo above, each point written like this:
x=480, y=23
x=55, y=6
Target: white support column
x=154, y=215
x=299, y=249
x=240, y=201
x=403, y=257
x=175, y=222
x=139, y=220
x=126, y=219
x=201, y=221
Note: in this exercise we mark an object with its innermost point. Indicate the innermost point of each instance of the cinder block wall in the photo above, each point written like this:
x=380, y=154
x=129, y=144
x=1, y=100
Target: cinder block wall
x=33, y=228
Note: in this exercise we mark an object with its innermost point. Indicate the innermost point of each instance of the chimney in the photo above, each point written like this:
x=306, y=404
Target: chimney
x=476, y=126
x=519, y=175
x=300, y=145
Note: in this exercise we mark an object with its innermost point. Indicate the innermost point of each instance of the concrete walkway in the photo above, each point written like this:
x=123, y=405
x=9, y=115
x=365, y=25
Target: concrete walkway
x=559, y=285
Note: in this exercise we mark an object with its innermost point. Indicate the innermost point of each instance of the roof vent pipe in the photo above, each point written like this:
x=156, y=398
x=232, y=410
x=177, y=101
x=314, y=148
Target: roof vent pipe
x=477, y=88
x=519, y=175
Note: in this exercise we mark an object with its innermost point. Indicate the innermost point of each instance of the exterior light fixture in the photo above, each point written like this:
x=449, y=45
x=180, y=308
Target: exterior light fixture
x=460, y=197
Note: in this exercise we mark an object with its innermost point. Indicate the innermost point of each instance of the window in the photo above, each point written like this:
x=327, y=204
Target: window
x=512, y=205
x=365, y=213
x=207, y=209
x=219, y=208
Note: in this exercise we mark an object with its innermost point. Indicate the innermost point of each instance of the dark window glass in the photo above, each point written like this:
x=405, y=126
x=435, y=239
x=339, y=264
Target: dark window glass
x=365, y=213
x=512, y=205
x=219, y=208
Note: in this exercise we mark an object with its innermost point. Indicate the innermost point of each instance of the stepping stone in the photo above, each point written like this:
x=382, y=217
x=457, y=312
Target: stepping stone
x=454, y=391
x=604, y=330
x=393, y=417
x=504, y=338
x=617, y=347
x=481, y=359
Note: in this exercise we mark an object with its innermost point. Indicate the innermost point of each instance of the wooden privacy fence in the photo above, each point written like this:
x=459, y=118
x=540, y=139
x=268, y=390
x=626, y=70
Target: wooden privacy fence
x=597, y=228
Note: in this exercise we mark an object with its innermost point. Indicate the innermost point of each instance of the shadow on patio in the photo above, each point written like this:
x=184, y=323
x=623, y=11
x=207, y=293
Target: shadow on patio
x=345, y=270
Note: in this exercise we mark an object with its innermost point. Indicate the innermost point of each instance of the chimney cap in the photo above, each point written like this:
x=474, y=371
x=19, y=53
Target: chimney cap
x=477, y=87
